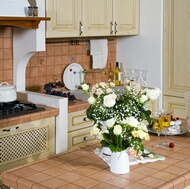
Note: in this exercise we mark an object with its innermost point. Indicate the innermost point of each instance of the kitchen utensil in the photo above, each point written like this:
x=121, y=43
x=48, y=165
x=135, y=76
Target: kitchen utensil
x=73, y=76
x=7, y=92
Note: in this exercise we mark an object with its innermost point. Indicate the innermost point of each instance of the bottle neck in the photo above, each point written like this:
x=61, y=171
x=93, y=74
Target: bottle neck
x=117, y=64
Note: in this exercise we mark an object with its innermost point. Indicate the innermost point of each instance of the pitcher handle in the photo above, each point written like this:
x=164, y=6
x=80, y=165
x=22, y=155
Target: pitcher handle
x=102, y=156
x=4, y=83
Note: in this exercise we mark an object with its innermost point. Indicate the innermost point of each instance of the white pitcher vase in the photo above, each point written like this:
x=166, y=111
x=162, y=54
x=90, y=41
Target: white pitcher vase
x=119, y=162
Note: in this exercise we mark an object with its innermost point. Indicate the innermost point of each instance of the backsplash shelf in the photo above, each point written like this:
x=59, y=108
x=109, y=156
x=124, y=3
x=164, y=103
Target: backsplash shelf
x=22, y=22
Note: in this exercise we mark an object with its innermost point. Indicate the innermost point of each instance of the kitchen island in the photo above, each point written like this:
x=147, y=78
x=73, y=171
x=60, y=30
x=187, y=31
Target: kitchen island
x=82, y=168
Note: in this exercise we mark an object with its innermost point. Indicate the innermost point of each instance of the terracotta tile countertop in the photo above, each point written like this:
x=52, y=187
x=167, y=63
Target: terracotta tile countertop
x=48, y=112
x=81, y=168
x=77, y=105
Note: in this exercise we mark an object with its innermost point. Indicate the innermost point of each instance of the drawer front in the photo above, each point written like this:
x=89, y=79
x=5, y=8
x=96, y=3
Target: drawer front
x=80, y=138
x=78, y=120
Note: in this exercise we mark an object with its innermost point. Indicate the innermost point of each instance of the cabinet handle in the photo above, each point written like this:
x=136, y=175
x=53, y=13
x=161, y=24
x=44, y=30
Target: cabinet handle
x=81, y=28
x=111, y=28
x=85, y=119
x=85, y=138
x=116, y=28
x=11, y=129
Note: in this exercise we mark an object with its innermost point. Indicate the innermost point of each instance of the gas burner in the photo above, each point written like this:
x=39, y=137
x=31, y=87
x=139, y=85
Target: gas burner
x=17, y=108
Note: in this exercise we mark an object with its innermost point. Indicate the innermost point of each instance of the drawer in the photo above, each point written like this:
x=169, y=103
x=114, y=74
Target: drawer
x=80, y=138
x=78, y=120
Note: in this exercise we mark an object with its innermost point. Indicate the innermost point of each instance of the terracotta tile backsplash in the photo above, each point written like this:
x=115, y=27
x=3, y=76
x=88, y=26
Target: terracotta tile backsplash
x=43, y=66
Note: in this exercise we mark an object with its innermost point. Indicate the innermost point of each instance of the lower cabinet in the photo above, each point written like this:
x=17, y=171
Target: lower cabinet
x=27, y=142
x=177, y=105
x=79, y=129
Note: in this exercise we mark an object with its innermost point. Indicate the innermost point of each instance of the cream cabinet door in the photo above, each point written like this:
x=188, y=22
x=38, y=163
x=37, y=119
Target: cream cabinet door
x=66, y=16
x=176, y=66
x=126, y=17
x=97, y=17
x=176, y=104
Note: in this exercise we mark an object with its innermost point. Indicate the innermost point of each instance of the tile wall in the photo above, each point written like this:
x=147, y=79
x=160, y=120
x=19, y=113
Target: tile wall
x=44, y=66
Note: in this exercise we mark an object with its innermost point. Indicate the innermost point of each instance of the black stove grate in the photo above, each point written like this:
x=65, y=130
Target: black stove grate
x=17, y=108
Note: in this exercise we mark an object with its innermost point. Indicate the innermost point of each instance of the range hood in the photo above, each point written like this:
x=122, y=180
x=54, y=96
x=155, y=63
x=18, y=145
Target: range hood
x=28, y=35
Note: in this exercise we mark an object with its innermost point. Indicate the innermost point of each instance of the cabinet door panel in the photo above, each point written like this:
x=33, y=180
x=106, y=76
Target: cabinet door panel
x=176, y=47
x=97, y=17
x=177, y=105
x=65, y=18
x=176, y=67
x=126, y=17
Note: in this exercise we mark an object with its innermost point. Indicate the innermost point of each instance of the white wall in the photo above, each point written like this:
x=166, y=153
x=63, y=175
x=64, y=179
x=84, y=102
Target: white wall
x=144, y=51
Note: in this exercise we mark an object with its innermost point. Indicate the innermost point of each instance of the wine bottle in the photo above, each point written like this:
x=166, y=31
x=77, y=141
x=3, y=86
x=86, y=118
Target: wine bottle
x=116, y=74
x=121, y=74
x=110, y=74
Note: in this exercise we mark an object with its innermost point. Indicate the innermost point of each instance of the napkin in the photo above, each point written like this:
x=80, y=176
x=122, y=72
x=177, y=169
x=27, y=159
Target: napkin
x=99, y=52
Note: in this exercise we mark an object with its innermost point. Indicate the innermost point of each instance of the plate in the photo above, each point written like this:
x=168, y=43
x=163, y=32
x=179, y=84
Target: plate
x=73, y=76
x=183, y=131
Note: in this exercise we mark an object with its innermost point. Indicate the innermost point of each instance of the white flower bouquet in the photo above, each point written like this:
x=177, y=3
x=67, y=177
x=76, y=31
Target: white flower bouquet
x=118, y=114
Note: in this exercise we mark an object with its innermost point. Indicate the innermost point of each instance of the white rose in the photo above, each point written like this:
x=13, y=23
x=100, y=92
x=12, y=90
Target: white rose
x=143, y=99
x=95, y=130
x=143, y=127
x=110, y=122
x=91, y=100
x=109, y=90
x=109, y=100
x=117, y=130
x=112, y=84
x=100, y=135
x=158, y=91
x=132, y=121
x=153, y=94
x=85, y=87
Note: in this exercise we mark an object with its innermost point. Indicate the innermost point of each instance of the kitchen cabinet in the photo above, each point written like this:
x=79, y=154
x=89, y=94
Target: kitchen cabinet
x=26, y=142
x=79, y=129
x=111, y=17
x=66, y=18
x=176, y=67
x=88, y=18
x=126, y=17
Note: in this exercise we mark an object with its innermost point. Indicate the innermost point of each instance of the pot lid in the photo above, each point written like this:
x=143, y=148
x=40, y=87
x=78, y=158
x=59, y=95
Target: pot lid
x=5, y=86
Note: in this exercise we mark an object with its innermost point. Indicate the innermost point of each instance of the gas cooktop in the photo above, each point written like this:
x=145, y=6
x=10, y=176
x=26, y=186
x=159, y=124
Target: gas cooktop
x=17, y=108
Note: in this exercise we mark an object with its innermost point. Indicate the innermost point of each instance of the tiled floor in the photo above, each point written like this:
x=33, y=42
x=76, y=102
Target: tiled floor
x=81, y=168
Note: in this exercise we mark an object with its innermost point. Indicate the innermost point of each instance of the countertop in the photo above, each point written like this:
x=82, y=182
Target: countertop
x=48, y=112
x=77, y=105
x=81, y=168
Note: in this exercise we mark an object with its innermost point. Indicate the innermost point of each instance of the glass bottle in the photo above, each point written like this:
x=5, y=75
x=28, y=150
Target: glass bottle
x=116, y=74
x=110, y=74
x=121, y=74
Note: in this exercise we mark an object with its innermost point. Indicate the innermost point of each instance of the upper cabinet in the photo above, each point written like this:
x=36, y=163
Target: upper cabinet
x=66, y=17
x=126, y=17
x=75, y=18
x=97, y=16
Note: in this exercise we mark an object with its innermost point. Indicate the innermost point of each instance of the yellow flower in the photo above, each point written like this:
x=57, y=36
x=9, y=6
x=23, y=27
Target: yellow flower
x=135, y=133
x=147, y=137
